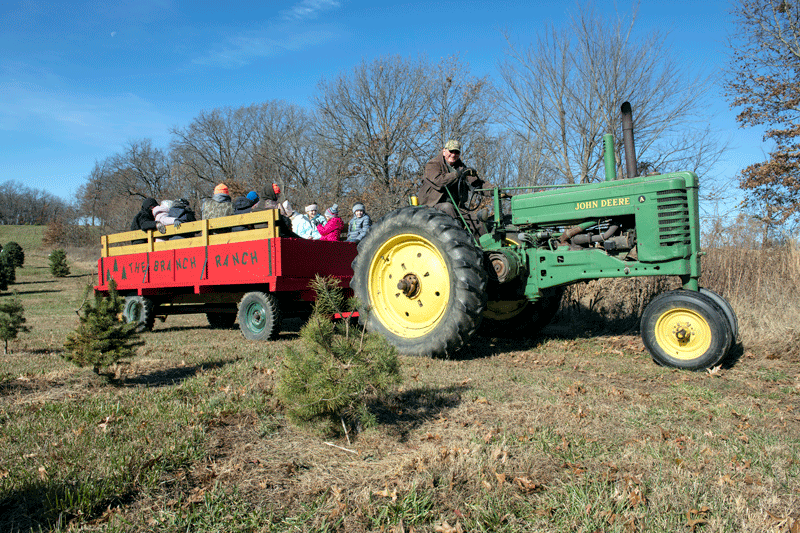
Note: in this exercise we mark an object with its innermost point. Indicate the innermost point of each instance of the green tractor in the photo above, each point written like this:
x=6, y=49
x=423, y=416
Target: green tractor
x=427, y=284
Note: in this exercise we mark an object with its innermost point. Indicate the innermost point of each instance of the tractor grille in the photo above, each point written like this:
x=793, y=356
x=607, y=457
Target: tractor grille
x=673, y=217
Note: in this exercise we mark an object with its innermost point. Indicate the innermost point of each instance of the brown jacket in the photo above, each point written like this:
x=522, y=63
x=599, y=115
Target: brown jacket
x=438, y=177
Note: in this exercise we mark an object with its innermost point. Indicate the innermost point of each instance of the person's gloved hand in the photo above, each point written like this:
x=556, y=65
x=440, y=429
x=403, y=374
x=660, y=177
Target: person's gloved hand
x=160, y=227
x=177, y=224
x=505, y=195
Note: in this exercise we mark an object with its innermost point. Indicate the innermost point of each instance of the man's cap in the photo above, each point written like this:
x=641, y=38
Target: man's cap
x=221, y=189
x=452, y=146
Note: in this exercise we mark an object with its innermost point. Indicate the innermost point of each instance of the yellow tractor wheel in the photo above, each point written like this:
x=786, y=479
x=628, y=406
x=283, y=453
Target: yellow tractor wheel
x=421, y=282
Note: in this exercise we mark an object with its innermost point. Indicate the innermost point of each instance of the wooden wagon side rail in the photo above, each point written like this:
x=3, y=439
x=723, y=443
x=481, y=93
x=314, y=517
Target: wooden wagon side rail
x=200, y=233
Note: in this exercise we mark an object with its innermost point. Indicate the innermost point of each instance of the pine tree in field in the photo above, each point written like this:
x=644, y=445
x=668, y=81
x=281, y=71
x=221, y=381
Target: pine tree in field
x=12, y=321
x=15, y=252
x=8, y=272
x=102, y=338
x=58, y=263
x=337, y=369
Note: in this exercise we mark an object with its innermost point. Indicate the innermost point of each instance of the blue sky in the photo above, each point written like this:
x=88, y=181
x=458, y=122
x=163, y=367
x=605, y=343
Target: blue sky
x=79, y=79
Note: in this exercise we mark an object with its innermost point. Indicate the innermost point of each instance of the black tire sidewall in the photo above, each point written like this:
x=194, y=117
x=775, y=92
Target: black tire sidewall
x=467, y=279
x=270, y=305
x=713, y=314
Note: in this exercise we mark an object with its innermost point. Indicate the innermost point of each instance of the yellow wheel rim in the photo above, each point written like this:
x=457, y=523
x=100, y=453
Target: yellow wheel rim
x=504, y=309
x=417, y=308
x=683, y=333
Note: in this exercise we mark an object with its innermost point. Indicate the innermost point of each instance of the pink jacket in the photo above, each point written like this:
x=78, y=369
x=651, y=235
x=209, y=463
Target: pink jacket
x=331, y=230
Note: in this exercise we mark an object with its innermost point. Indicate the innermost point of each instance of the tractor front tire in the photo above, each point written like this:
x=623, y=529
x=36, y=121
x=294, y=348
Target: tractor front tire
x=686, y=329
x=420, y=280
x=259, y=316
x=139, y=310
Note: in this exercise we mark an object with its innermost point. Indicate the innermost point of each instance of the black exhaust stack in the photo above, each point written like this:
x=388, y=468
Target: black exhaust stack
x=627, y=140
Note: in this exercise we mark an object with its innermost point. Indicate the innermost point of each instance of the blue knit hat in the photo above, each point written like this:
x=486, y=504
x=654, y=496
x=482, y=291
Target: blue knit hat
x=252, y=196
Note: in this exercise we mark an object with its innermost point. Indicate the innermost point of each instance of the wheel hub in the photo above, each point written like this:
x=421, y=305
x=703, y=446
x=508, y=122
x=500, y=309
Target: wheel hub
x=409, y=285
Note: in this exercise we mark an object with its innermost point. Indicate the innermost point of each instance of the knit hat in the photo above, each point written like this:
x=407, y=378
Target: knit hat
x=358, y=207
x=287, y=207
x=312, y=207
x=276, y=188
x=252, y=196
x=332, y=211
x=221, y=189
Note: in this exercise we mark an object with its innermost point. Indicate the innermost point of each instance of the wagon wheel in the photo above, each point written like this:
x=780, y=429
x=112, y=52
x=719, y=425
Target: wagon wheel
x=686, y=329
x=259, y=316
x=139, y=310
x=421, y=282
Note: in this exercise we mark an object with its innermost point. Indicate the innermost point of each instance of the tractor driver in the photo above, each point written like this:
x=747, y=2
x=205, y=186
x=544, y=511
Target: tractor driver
x=444, y=173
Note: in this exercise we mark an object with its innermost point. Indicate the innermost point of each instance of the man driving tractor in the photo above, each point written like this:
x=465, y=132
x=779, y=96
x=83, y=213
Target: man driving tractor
x=446, y=172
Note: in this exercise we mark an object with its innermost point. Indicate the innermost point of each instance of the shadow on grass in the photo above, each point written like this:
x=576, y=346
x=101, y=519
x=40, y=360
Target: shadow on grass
x=403, y=412
x=42, y=506
x=13, y=292
x=169, y=376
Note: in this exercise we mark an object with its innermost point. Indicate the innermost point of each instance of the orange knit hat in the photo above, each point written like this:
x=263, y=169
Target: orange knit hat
x=221, y=189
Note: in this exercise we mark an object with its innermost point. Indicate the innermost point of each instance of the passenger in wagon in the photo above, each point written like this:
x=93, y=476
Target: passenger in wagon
x=244, y=204
x=145, y=221
x=332, y=229
x=359, y=224
x=219, y=205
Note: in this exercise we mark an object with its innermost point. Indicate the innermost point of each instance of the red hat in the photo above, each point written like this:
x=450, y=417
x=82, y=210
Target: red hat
x=221, y=189
x=276, y=188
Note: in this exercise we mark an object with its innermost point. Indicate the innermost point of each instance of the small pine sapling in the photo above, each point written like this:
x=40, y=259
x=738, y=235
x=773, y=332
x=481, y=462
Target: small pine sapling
x=12, y=321
x=337, y=369
x=15, y=252
x=8, y=271
x=102, y=338
x=58, y=263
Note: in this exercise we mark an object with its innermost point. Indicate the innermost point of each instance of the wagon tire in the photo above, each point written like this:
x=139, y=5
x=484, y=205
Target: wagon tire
x=443, y=294
x=221, y=320
x=259, y=316
x=139, y=310
x=686, y=329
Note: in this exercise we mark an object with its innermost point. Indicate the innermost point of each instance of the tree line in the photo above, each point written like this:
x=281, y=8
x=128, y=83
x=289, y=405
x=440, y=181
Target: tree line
x=369, y=131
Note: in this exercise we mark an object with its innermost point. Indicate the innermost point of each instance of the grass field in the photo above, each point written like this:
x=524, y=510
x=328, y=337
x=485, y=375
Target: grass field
x=576, y=430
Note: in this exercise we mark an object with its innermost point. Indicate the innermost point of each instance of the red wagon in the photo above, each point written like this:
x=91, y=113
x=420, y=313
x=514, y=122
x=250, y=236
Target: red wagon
x=205, y=267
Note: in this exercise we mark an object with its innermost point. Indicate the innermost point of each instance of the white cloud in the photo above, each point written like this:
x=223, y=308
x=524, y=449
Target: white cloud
x=308, y=9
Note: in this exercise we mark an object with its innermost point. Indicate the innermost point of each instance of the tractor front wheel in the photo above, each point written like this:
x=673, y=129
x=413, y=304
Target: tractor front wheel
x=686, y=329
x=421, y=283
x=139, y=310
x=259, y=316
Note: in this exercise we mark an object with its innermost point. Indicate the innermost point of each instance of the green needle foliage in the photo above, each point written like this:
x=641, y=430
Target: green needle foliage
x=15, y=252
x=12, y=321
x=337, y=369
x=102, y=338
x=58, y=263
x=8, y=272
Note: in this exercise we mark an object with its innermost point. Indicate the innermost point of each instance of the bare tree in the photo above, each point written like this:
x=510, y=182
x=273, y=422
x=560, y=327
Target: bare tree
x=763, y=82
x=563, y=93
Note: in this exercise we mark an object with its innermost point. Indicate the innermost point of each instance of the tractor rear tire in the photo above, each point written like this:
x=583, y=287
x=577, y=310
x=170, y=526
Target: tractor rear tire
x=259, y=316
x=686, y=329
x=521, y=318
x=139, y=310
x=443, y=297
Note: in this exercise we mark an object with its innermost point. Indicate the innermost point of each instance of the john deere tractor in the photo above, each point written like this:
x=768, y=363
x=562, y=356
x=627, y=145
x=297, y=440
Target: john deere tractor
x=427, y=283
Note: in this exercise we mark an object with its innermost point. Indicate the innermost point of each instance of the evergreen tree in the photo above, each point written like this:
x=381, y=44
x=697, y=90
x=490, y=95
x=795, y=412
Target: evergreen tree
x=12, y=321
x=8, y=272
x=15, y=252
x=102, y=337
x=58, y=263
x=337, y=368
